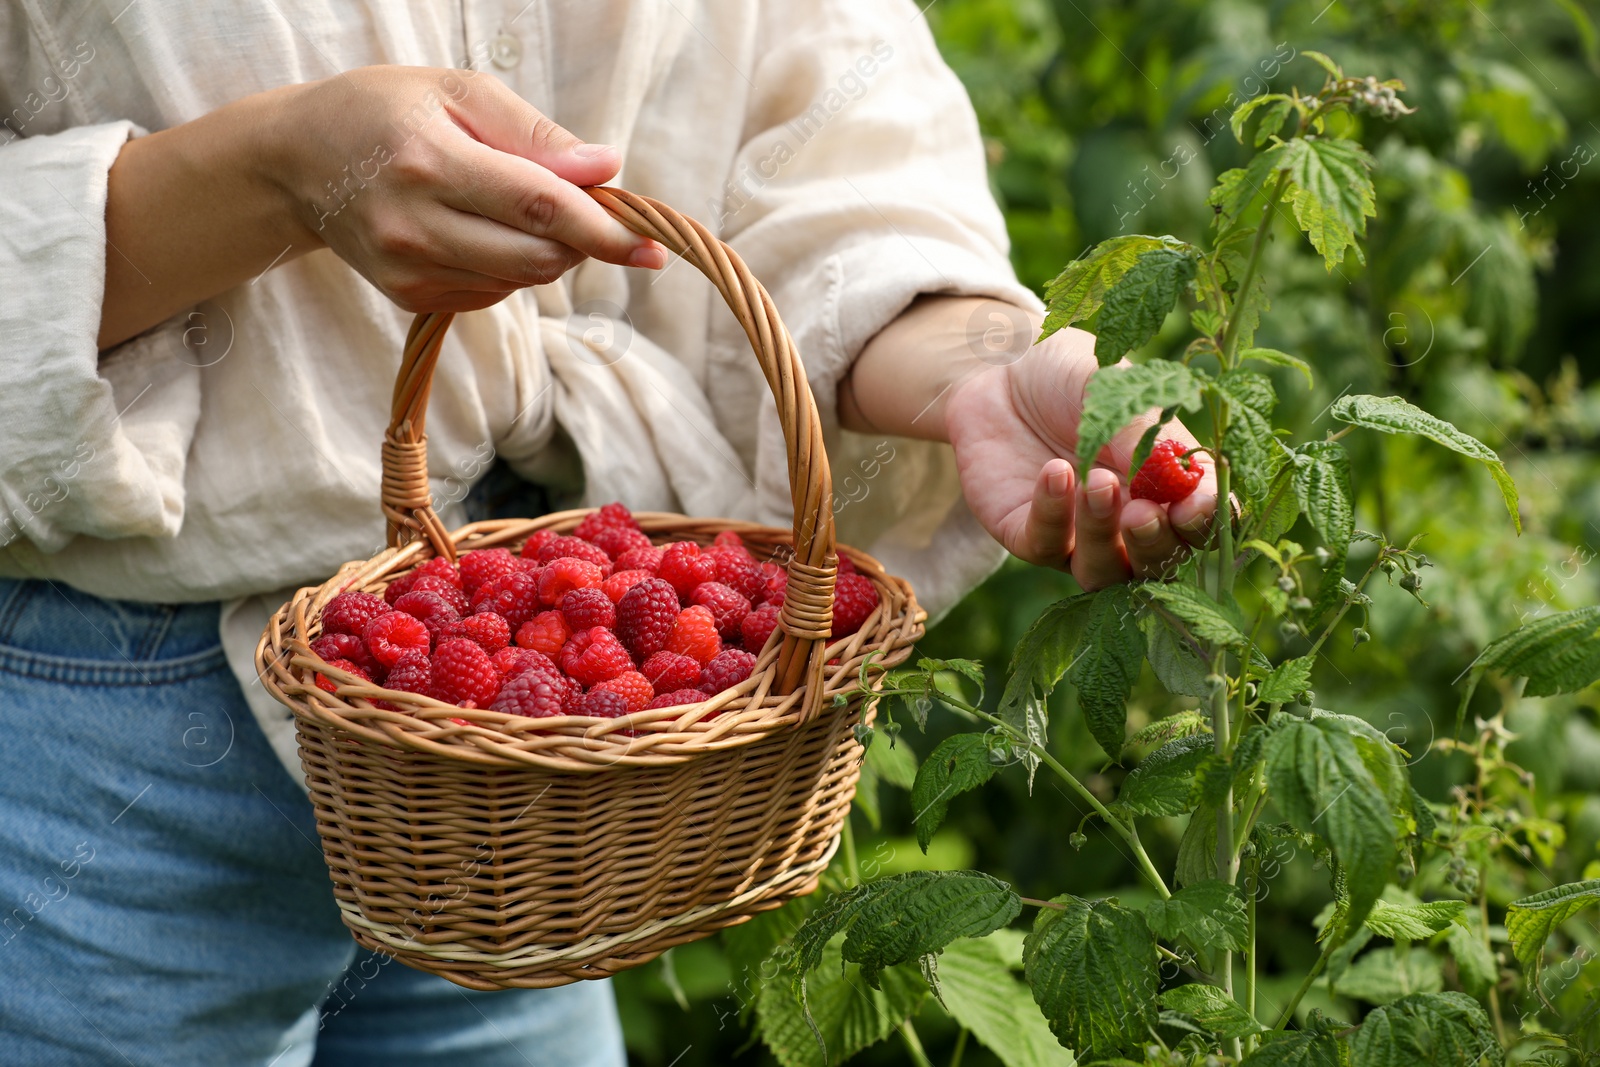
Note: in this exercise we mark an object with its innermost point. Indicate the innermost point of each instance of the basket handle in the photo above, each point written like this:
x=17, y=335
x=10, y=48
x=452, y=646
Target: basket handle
x=806, y=617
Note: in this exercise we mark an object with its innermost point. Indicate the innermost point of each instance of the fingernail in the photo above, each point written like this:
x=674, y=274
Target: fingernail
x=1147, y=533
x=1059, y=481
x=1204, y=504
x=591, y=151
x=652, y=257
x=1102, y=499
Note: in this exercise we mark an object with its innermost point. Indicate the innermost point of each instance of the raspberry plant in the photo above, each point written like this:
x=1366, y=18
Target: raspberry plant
x=1254, y=760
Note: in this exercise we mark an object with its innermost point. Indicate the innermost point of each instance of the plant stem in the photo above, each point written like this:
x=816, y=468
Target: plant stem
x=1349, y=601
x=1252, y=890
x=1230, y=337
x=960, y=1049
x=851, y=870
x=1224, y=521
x=908, y=1033
x=1311, y=976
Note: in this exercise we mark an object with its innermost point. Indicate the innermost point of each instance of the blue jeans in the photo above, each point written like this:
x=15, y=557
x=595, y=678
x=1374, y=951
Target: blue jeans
x=162, y=895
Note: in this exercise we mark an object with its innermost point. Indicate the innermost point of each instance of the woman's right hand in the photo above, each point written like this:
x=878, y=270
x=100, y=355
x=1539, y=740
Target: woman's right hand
x=443, y=188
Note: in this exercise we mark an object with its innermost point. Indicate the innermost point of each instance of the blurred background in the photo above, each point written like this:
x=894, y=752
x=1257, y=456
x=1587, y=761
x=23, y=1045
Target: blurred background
x=1480, y=300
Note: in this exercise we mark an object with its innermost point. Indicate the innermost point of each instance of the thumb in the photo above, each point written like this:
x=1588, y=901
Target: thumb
x=501, y=119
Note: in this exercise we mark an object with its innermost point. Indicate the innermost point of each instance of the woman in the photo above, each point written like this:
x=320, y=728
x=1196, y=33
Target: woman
x=217, y=221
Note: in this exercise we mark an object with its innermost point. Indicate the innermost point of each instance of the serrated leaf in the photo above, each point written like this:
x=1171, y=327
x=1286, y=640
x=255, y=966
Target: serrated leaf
x=1322, y=785
x=1204, y=617
x=1323, y=487
x=1557, y=653
x=1078, y=291
x=1164, y=782
x=1317, y=1044
x=1110, y=654
x=1197, y=849
x=1384, y=975
x=1390, y=414
x=1210, y=913
x=1287, y=681
x=1279, y=359
x=1093, y=970
x=1042, y=657
x=1530, y=920
x=848, y=1014
x=982, y=995
x=1439, y=1029
x=1276, y=104
x=960, y=763
x=1249, y=442
x=1324, y=61
x=1236, y=190
x=1413, y=922
x=1176, y=665
x=1116, y=395
x=1475, y=964
x=1212, y=1009
x=1332, y=194
x=1139, y=302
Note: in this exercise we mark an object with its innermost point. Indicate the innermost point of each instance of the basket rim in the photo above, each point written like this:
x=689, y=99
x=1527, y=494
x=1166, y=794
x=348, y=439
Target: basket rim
x=657, y=737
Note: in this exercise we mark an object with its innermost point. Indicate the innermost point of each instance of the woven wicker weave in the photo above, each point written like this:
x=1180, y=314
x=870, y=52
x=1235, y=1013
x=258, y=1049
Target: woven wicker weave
x=500, y=851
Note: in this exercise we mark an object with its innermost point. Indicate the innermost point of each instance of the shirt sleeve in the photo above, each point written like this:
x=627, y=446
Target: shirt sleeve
x=91, y=446
x=860, y=184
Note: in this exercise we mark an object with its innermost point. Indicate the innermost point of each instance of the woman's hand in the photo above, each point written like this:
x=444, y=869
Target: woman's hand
x=443, y=188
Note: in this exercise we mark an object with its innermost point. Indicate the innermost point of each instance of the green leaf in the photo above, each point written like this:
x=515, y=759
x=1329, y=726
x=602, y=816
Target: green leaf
x=1413, y=922
x=1147, y=442
x=1236, y=190
x=1251, y=446
x=1139, y=302
x=1211, y=914
x=1212, y=1009
x=1042, y=657
x=1093, y=969
x=1384, y=975
x=1116, y=395
x=960, y=763
x=902, y=918
x=1279, y=359
x=1277, y=107
x=1178, y=724
x=1390, y=414
x=1332, y=194
x=1530, y=920
x=1174, y=661
x=1321, y=783
x=885, y=762
x=1110, y=655
x=1078, y=291
x=1197, y=849
x=848, y=1014
x=1323, y=487
x=1557, y=653
x=1317, y=1044
x=1439, y=1029
x=1323, y=60
x=1206, y=619
x=1287, y=681
x=982, y=995
x=1475, y=964
x=1164, y=783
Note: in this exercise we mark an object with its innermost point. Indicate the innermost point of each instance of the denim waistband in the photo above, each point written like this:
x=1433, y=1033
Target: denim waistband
x=50, y=630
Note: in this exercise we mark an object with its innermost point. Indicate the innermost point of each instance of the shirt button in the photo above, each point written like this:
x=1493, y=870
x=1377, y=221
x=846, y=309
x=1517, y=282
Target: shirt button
x=505, y=51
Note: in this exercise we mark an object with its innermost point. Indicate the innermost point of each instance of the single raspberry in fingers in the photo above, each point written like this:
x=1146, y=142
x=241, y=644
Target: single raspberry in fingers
x=1168, y=475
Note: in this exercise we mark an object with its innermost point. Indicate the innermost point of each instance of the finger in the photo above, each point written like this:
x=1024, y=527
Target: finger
x=1191, y=517
x=473, y=243
x=1154, y=550
x=495, y=115
x=525, y=195
x=1047, y=533
x=1098, y=559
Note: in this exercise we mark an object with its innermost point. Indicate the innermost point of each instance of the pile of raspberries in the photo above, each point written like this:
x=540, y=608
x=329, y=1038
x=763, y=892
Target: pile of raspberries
x=599, y=623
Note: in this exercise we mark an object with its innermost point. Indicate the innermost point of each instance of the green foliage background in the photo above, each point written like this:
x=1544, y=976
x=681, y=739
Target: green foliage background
x=1480, y=300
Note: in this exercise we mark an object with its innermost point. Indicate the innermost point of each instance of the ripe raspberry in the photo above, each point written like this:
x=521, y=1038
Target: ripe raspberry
x=677, y=697
x=846, y=564
x=632, y=686
x=645, y=615
x=666, y=671
x=726, y=670
x=594, y=656
x=484, y=565
x=399, y=588
x=611, y=517
x=622, y=581
x=412, y=673
x=439, y=567
x=684, y=567
x=728, y=539
x=575, y=548
x=546, y=633
x=1167, y=475
x=776, y=584
x=599, y=703
x=854, y=598
x=757, y=627
x=514, y=595
x=585, y=609
x=641, y=559
x=694, y=633
x=615, y=540
x=346, y=646
x=564, y=574
x=429, y=609
x=349, y=613
x=727, y=607
x=491, y=631
x=737, y=570
x=513, y=660
x=537, y=540
x=442, y=588
x=534, y=694
x=464, y=674
x=390, y=635
x=329, y=685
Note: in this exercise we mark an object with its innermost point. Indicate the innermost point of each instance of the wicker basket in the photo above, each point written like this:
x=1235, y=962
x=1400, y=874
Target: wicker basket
x=500, y=851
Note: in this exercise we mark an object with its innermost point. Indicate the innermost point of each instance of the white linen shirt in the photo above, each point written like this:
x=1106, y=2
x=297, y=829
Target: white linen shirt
x=231, y=453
